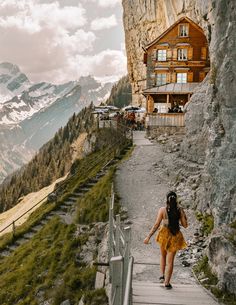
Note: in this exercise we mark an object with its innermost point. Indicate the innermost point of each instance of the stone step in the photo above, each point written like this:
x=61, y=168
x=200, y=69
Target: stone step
x=49, y=217
x=21, y=241
x=28, y=235
x=78, y=193
x=37, y=228
x=12, y=247
x=90, y=184
x=72, y=199
x=69, y=203
x=63, y=207
x=85, y=189
x=59, y=213
x=5, y=253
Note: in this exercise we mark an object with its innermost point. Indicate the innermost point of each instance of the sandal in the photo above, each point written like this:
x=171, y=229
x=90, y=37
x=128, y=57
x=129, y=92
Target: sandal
x=168, y=286
x=161, y=279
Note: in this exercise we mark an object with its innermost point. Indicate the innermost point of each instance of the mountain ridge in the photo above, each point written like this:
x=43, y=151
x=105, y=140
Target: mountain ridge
x=31, y=117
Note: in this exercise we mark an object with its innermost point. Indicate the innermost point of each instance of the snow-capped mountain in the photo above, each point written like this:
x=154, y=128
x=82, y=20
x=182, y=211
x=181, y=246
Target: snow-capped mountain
x=34, y=112
x=12, y=81
x=23, y=99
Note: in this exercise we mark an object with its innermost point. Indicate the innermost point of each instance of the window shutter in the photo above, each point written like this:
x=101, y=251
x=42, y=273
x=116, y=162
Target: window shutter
x=190, y=77
x=169, y=54
x=168, y=78
x=202, y=75
x=190, y=53
x=154, y=54
x=203, y=53
x=150, y=104
x=173, y=77
x=175, y=54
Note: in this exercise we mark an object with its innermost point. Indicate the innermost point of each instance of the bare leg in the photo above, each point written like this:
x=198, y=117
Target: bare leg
x=170, y=263
x=163, y=260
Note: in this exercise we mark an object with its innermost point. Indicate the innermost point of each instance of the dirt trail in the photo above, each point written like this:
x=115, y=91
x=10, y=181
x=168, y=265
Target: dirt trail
x=142, y=182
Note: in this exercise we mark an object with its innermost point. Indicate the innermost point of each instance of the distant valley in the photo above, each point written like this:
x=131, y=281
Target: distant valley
x=30, y=114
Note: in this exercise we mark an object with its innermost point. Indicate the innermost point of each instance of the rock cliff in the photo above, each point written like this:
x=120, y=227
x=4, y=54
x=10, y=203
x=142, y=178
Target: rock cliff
x=210, y=116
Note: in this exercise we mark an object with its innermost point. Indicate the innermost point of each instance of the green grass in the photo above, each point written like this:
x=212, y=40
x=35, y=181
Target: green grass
x=85, y=169
x=233, y=225
x=46, y=267
x=97, y=297
x=207, y=223
x=203, y=269
x=46, y=264
x=94, y=205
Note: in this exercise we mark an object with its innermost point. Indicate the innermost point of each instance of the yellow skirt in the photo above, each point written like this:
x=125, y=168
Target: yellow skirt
x=170, y=242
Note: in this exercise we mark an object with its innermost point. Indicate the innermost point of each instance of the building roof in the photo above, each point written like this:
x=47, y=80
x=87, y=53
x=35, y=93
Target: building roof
x=172, y=88
x=182, y=19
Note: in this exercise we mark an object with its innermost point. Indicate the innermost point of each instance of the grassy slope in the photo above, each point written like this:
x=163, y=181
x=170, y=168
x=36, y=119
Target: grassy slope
x=45, y=268
x=47, y=265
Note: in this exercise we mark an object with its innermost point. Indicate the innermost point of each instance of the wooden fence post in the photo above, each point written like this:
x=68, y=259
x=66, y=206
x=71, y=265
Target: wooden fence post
x=13, y=229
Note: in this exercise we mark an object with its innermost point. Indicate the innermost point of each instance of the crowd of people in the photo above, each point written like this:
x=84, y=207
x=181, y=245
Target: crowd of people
x=132, y=119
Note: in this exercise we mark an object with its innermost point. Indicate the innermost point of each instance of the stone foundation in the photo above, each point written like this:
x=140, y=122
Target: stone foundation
x=156, y=132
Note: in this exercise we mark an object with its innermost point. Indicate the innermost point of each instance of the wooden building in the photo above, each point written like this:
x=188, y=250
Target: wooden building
x=177, y=61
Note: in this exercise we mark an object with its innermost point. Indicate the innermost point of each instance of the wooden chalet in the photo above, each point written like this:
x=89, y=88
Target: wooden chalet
x=177, y=61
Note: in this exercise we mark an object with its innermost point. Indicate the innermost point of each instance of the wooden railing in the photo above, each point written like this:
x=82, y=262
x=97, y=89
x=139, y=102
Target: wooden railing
x=120, y=260
x=166, y=119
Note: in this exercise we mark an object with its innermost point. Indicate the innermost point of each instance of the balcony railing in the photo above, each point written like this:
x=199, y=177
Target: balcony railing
x=166, y=119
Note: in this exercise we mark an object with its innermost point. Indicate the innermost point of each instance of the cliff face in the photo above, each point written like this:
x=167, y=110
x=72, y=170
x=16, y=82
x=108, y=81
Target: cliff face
x=210, y=117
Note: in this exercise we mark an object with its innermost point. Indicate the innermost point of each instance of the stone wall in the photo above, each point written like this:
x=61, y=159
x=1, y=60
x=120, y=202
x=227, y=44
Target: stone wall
x=210, y=115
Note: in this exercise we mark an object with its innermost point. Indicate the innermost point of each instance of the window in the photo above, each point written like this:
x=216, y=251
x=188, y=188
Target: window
x=182, y=54
x=161, y=55
x=161, y=79
x=183, y=30
x=182, y=78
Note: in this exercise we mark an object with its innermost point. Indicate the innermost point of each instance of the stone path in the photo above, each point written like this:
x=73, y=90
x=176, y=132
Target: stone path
x=142, y=182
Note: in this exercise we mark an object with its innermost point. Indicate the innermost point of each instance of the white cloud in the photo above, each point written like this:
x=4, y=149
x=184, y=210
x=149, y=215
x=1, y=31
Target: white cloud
x=108, y=3
x=50, y=42
x=106, y=64
x=32, y=16
x=103, y=23
x=42, y=38
x=104, y=3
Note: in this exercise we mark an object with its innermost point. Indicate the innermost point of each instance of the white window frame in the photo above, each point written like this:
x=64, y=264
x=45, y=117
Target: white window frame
x=161, y=55
x=182, y=54
x=182, y=78
x=184, y=30
x=161, y=79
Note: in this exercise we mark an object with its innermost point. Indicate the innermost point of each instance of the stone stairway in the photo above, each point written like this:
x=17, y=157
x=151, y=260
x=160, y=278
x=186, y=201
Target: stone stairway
x=65, y=211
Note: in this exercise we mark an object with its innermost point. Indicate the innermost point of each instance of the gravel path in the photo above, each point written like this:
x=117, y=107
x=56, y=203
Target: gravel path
x=142, y=182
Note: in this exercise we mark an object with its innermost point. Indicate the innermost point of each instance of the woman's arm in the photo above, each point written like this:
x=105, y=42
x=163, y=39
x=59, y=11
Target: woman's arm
x=183, y=218
x=155, y=226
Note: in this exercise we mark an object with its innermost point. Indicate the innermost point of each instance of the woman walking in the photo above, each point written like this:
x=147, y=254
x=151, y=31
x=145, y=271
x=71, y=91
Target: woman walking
x=169, y=235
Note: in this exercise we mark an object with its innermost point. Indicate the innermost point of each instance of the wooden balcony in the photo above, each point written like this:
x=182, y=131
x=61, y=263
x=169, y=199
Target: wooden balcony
x=165, y=120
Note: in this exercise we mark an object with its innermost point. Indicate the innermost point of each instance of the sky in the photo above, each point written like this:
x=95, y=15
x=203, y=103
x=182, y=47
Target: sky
x=59, y=41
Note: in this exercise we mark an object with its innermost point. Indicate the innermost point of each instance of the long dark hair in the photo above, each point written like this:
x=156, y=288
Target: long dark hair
x=173, y=213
